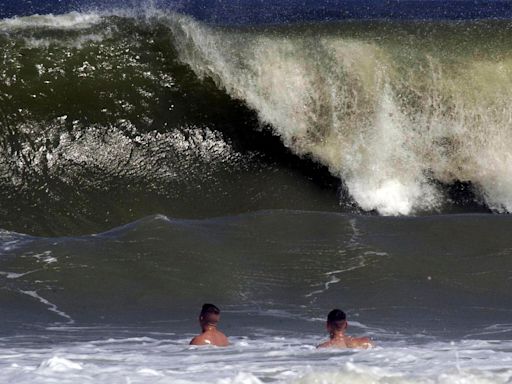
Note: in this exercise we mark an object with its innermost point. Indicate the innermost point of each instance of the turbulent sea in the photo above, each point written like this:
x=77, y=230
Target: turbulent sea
x=150, y=162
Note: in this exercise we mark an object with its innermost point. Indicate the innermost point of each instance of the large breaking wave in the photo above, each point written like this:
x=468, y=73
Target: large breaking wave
x=396, y=111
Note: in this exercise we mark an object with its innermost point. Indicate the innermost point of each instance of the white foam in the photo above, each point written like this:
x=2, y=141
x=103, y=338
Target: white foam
x=110, y=148
x=252, y=361
x=51, y=307
x=241, y=378
x=72, y=20
x=13, y=275
x=45, y=257
x=59, y=364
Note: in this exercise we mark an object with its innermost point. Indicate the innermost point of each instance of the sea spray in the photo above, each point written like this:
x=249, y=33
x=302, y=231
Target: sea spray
x=391, y=109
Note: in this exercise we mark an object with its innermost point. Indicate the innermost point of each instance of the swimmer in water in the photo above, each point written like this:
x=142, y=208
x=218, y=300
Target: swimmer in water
x=336, y=326
x=208, y=319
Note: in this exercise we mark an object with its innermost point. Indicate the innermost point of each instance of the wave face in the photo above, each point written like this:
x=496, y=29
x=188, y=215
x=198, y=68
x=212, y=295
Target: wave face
x=99, y=111
x=102, y=124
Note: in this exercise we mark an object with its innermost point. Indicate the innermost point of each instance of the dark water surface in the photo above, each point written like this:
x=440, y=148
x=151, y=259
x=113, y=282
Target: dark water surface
x=446, y=275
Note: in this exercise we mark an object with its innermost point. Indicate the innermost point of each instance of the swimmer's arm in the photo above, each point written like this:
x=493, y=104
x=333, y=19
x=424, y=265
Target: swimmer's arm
x=323, y=345
x=361, y=342
x=367, y=343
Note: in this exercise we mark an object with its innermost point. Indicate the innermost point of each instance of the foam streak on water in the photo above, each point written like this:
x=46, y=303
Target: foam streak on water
x=51, y=307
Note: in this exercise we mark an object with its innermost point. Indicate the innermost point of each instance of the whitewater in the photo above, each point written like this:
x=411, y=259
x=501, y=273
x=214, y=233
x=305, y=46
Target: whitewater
x=165, y=359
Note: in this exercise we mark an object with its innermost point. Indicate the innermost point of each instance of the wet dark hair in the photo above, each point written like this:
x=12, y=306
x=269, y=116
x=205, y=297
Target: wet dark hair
x=209, y=309
x=336, y=318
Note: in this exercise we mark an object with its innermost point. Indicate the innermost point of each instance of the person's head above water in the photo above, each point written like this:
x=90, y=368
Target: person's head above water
x=336, y=321
x=208, y=319
x=209, y=316
x=336, y=326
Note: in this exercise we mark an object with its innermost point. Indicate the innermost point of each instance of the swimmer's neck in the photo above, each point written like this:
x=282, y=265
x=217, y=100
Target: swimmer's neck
x=209, y=328
x=337, y=335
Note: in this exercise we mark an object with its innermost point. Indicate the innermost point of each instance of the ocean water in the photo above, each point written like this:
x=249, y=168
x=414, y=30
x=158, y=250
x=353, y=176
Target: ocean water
x=151, y=162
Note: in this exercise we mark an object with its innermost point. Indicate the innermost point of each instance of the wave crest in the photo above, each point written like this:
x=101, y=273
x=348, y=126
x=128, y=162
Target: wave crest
x=391, y=110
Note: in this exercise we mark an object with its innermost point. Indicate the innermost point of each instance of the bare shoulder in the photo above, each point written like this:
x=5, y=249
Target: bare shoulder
x=361, y=342
x=223, y=340
x=211, y=338
x=325, y=344
x=198, y=340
